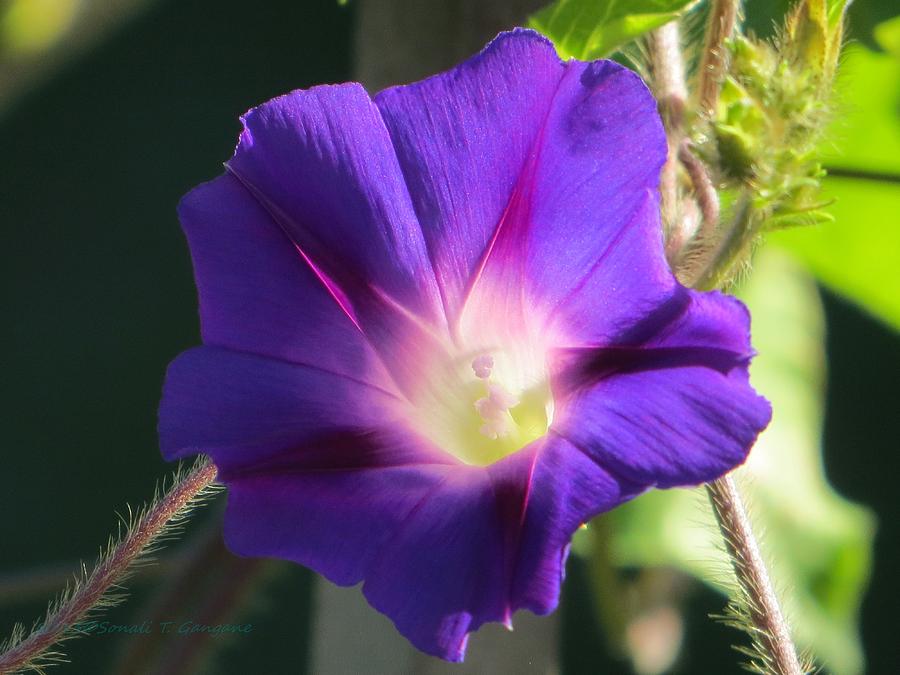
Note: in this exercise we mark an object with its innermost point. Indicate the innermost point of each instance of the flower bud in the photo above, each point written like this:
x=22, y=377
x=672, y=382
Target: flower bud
x=738, y=127
x=813, y=33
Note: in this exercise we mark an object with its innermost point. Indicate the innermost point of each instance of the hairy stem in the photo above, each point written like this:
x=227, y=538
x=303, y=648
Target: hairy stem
x=698, y=242
x=772, y=635
x=722, y=19
x=706, y=259
x=704, y=190
x=110, y=570
x=715, y=266
x=668, y=81
x=667, y=70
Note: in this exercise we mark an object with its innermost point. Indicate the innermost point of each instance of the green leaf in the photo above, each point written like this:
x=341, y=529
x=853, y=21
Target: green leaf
x=818, y=544
x=32, y=26
x=887, y=35
x=865, y=135
x=857, y=255
x=591, y=29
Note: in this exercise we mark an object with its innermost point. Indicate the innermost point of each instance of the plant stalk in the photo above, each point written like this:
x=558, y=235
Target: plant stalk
x=772, y=633
x=670, y=90
x=704, y=190
x=722, y=20
x=109, y=571
x=714, y=267
x=770, y=630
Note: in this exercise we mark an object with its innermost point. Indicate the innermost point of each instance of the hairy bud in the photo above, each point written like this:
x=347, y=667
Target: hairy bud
x=772, y=111
x=813, y=34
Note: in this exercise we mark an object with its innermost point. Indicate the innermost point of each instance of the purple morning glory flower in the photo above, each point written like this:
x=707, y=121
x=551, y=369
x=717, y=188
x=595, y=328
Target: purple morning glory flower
x=440, y=334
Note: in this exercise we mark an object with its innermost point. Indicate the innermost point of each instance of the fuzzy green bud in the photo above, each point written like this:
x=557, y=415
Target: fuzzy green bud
x=813, y=34
x=771, y=113
x=738, y=126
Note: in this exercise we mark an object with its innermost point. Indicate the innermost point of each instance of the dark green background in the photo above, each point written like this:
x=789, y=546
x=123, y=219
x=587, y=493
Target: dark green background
x=98, y=297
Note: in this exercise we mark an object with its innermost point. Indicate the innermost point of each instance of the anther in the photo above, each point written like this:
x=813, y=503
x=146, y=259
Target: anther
x=494, y=411
x=483, y=365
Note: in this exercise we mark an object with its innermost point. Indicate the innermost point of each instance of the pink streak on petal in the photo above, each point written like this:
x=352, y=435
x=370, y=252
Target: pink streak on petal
x=333, y=289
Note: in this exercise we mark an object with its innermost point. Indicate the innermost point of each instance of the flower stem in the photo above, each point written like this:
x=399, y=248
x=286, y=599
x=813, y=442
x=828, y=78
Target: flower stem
x=706, y=259
x=110, y=570
x=722, y=19
x=716, y=265
x=667, y=70
x=771, y=633
x=670, y=90
x=704, y=190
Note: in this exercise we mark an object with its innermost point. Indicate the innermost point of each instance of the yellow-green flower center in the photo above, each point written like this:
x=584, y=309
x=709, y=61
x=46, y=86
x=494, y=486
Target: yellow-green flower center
x=483, y=407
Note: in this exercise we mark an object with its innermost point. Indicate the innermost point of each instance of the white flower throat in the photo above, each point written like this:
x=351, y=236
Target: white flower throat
x=488, y=404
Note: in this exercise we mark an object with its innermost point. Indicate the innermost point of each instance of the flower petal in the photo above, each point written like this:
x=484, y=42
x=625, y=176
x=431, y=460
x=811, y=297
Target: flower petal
x=527, y=172
x=487, y=542
x=321, y=161
x=583, y=225
x=396, y=523
x=333, y=520
x=678, y=410
x=258, y=295
x=566, y=489
x=463, y=139
x=243, y=409
x=321, y=164
x=629, y=283
x=450, y=549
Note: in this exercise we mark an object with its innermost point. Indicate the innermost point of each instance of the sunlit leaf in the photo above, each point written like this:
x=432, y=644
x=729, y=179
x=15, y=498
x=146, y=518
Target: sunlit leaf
x=857, y=255
x=28, y=26
x=887, y=35
x=590, y=29
x=818, y=543
x=865, y=135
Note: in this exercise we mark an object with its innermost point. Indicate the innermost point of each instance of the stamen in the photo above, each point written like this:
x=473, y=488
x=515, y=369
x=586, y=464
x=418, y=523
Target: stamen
x=494, y=410
x=483, y=365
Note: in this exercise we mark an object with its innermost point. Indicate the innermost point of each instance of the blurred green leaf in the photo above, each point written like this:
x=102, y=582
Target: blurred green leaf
x=887, y=35
x=590, y=29
x=858, y=255
x=865, y=135
x=30, y=26
x=818, y=544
